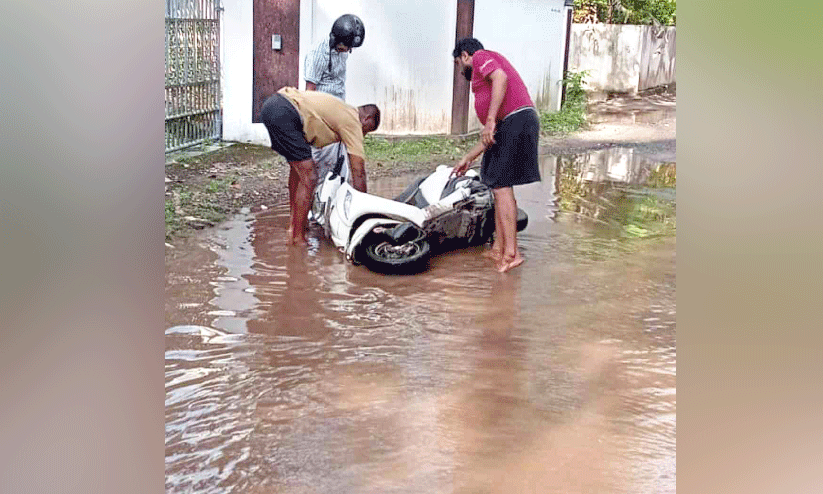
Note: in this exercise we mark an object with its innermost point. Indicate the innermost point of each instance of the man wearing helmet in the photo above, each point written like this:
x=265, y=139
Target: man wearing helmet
x=325, y=71
x=325, y=66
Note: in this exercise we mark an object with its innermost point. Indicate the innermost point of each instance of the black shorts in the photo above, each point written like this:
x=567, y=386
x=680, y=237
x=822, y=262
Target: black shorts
x=512, y=159
x=285, y=128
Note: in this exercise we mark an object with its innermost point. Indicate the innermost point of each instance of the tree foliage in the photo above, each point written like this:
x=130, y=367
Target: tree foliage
x=626, y=11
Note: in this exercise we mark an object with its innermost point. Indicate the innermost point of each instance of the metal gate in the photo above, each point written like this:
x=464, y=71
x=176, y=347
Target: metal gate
x=193, y=109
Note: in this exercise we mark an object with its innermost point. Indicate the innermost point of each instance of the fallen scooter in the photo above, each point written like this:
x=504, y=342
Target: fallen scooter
x=436, y=213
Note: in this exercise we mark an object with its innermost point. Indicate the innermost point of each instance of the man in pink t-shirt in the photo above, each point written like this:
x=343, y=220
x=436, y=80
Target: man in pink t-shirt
x=508, y=141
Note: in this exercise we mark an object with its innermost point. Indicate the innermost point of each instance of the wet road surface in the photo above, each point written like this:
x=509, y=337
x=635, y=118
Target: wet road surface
x=291, y=370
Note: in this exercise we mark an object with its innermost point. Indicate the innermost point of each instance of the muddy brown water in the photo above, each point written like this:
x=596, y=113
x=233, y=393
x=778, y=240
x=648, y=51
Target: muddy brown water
x=291, y=370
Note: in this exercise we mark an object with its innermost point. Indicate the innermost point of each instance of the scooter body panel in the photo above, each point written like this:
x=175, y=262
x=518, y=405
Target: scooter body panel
x=349, y=205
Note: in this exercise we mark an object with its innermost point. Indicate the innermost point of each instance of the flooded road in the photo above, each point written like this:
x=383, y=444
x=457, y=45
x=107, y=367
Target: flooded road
x=291, y=370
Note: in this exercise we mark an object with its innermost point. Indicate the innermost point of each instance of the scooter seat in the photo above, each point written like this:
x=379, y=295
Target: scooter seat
x=430, y=189
x=412, y=195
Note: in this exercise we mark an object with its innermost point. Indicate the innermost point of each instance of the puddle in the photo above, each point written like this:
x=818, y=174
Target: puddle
x=291, y=370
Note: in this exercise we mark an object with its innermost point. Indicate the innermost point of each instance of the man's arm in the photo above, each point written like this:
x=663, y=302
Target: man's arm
x=500, y=82
x=467, y=160
x=358, y=172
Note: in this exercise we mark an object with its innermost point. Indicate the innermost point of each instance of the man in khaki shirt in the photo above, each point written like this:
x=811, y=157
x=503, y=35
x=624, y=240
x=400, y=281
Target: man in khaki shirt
x=296, y=121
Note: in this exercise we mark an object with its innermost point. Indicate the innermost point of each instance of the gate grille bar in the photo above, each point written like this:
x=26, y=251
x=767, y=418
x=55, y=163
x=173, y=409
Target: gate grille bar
x=193, y=107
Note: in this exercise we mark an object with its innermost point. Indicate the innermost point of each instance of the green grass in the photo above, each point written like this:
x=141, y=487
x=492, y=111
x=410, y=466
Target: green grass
x=223, y=184
x=415, y=149
x=171, y=219
x=572, y=115
x=567, y=120
x=200, y=204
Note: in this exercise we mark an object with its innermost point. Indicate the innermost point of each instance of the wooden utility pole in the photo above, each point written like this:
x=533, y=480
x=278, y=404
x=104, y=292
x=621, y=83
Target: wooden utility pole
x=460, y=91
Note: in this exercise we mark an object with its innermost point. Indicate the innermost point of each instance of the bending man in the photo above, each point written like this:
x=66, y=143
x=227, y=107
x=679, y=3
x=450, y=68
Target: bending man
x=296, y=121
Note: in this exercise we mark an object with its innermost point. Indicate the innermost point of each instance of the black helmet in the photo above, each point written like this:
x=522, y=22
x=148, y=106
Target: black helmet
x=349, y=30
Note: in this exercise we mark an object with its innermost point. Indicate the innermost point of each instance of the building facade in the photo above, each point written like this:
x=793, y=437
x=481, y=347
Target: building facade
x=405, y=64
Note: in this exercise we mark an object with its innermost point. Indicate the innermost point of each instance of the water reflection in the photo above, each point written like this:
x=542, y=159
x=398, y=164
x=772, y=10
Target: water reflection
x=489, y=423
x=231, y=289
x=619, y=190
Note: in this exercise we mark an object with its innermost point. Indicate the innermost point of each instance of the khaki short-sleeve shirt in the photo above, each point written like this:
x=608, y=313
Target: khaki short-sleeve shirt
x=327, y=119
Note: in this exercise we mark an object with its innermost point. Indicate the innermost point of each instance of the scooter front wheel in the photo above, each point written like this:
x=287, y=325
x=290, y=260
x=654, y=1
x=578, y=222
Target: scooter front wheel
x=378, y=253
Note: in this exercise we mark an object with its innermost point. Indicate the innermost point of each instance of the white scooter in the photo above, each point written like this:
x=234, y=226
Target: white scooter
x=435, y=213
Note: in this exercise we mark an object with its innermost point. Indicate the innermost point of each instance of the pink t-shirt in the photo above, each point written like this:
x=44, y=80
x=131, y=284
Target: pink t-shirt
x=484, y=62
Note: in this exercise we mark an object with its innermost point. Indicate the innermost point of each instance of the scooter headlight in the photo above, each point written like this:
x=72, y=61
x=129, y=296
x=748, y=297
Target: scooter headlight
x=347, y=204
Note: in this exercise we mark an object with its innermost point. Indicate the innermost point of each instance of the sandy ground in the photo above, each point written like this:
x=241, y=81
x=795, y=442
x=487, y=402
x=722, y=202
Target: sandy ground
x=231, y=177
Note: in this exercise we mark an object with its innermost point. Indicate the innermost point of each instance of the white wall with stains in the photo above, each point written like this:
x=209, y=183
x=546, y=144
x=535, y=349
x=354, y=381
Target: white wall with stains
x=658, y=56
x=237, y=64
x=623, y=58
x=610, y=53
x=405, y=64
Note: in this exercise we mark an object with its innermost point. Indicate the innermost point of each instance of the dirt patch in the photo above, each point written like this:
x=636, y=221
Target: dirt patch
x=204, y=185
x=201, y=188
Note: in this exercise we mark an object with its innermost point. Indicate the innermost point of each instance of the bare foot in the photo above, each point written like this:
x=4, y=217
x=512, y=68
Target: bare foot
x=509, y=263
x=493, y=254
x=296, y=239
x=299, y=241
